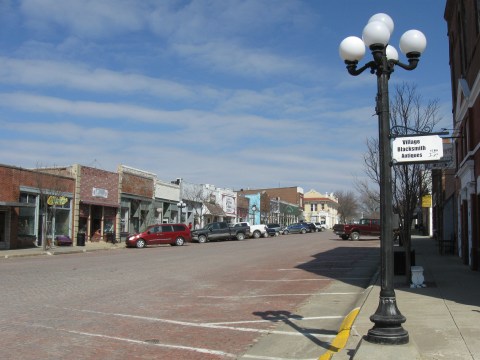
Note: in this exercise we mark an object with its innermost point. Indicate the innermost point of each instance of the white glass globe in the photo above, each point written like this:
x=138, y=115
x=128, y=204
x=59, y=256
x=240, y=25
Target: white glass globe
x=387, y=20
x=392, y=53
x=352, y=48
x=413, y=41
x=376, y=32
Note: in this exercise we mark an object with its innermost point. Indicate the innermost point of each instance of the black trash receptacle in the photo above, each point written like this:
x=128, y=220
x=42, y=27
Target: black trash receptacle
x=81, y=239
x=399, y=261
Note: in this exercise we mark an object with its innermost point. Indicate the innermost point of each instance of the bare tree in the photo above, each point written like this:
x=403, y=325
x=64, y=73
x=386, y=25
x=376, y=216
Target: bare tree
x=368, y=198
x=347, y=205
x=409, y=116
x=196, y=196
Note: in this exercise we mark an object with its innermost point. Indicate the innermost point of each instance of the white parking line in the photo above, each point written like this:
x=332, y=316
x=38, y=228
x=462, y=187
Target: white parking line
x=206, y=325
x=291, y=318
x=275, y=295
x=139, y=342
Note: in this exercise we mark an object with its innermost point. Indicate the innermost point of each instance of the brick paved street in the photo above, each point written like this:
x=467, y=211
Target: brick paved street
x=199, y=301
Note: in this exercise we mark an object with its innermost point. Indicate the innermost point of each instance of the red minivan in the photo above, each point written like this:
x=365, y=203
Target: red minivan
x=173, y=234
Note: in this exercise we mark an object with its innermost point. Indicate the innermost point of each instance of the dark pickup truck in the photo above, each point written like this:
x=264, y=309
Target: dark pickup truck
x=365, y=227
x=220, y=231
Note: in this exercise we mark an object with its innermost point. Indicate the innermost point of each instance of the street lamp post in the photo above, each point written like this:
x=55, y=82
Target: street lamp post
x=181, y=205
x=387, y=319
x=254, y=210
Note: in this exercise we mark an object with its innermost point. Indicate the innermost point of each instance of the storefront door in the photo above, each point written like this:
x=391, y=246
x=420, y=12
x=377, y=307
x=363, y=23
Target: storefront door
x=3, y=230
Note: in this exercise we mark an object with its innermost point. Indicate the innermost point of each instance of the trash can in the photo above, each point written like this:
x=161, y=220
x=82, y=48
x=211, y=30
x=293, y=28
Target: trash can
x=110, y=237
x=81, y=239
x=399, y=261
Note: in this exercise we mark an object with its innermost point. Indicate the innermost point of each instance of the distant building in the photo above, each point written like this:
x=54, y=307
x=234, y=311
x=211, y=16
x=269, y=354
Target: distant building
x=321, y=208
x=275, y=205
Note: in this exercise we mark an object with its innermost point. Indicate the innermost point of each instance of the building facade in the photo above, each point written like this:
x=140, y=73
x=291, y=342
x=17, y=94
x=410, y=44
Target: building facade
x=35, y=206
x=275, y=205
x=463, y=23
x=321, y=208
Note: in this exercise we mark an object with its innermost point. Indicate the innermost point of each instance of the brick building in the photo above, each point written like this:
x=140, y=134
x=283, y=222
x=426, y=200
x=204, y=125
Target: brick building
x=463, y=23
x=34, y=205
x=276, y=205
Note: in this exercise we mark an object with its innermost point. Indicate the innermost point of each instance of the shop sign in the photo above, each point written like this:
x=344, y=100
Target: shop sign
x=102, y=193
x=57, y=200
x=417, y=149
x=427, y=201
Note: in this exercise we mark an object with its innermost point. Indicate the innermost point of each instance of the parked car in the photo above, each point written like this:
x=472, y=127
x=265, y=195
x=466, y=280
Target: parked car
x=221, y=230
x=256, y=231
x=366, y=227
x=311, y=227
x=173, y=234
x=297, y=228
x=274, y=229
x=321, y=226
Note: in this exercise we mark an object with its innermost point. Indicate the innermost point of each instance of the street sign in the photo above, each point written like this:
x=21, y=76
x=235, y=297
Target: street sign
x=417, y=149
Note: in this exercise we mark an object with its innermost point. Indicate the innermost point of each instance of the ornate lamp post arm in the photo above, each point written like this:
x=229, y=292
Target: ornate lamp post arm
x=387, y=319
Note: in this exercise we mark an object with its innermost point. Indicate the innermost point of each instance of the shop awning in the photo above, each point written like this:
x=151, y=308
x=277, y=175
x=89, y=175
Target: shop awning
x=214, y=209
x=16, y=204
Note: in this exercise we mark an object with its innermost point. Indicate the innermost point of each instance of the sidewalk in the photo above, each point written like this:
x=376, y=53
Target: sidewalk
x=443, y=319
x=57, y=250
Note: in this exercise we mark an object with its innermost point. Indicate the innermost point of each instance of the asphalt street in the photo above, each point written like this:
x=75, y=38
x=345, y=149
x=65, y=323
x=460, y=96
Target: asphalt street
x=275, y=298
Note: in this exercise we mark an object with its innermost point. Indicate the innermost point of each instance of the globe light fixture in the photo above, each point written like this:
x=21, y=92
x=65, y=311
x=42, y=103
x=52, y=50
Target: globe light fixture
x=387, y=319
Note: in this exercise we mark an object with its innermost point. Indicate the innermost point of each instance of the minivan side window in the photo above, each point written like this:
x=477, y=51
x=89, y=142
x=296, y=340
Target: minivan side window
x=166, y=228
x=178, y=228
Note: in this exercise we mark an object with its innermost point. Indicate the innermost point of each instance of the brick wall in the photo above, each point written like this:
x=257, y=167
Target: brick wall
x=137, y=185
x=91, y=178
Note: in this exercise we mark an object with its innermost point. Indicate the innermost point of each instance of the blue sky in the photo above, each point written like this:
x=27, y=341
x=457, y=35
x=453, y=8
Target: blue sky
x=239, y=94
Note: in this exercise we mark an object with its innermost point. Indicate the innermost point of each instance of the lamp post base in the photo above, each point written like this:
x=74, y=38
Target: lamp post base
x=388, y=321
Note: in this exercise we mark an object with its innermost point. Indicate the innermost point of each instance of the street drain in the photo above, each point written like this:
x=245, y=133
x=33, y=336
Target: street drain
x=153, y=341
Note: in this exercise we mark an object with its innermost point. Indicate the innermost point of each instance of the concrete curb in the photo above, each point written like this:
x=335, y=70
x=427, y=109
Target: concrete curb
x=56, y=251
x=343, y=336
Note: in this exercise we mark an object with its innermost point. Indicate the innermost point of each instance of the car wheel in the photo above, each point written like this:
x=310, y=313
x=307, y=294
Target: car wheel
x=240, y=236
x=179, y=241
x=202, y=239
x=285, y=232
x=355, y=236
x=266, y=235
x=140, y=243
x=256, y=234
x=303, y=231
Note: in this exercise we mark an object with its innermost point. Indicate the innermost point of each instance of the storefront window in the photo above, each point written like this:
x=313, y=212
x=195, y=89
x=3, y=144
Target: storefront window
x=26, y=221
x=124, y=220
x=62, y=223
x=26, y=217
x=109, y=225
